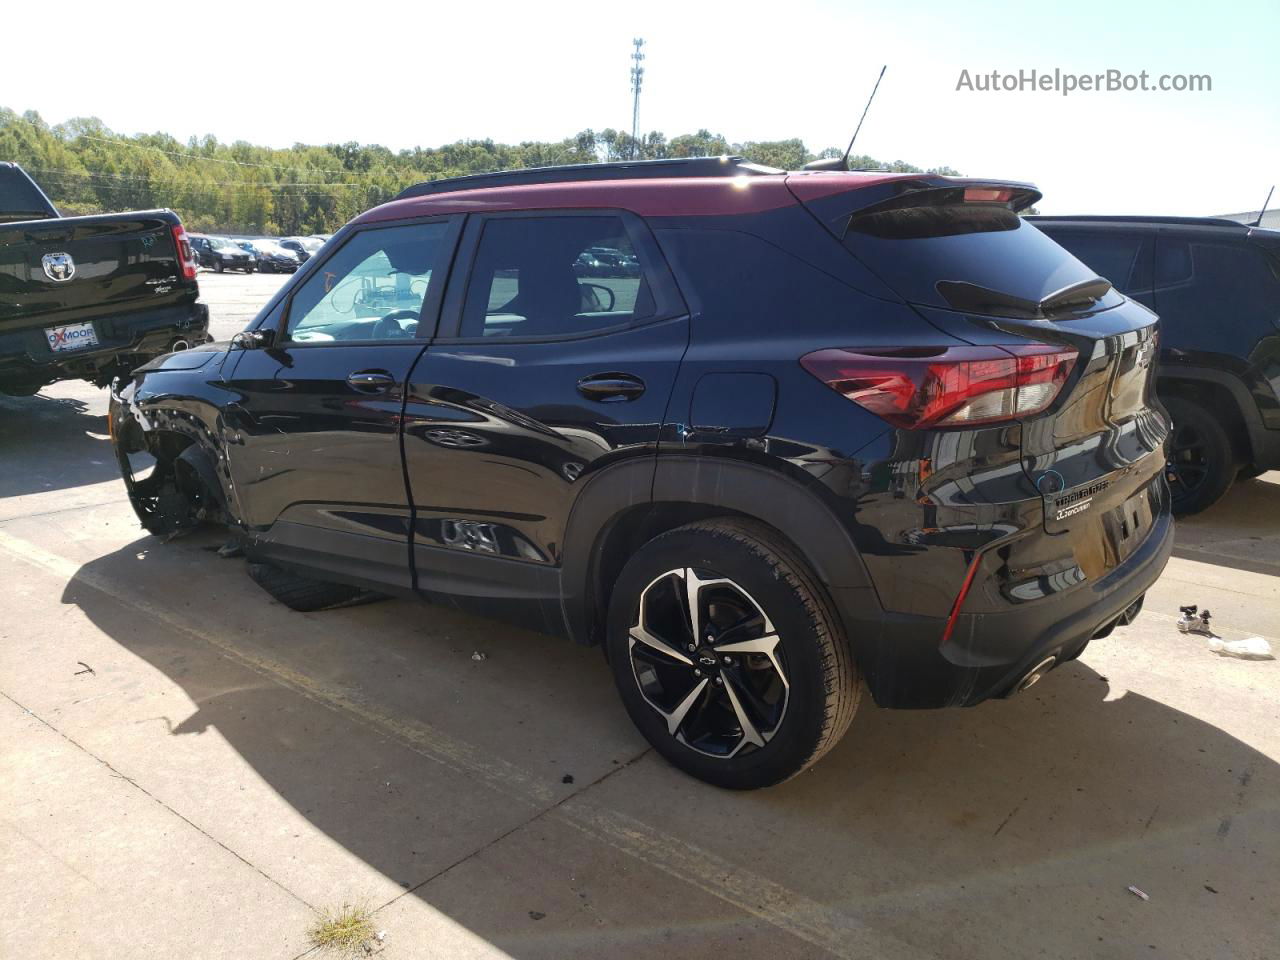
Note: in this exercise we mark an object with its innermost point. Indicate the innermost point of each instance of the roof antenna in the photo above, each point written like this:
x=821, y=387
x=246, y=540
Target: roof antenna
x=1258, y=222
x=842, y=163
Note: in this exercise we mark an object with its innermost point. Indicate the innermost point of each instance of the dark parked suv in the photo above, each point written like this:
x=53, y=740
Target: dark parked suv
x=1216, y=285
x=837, y=428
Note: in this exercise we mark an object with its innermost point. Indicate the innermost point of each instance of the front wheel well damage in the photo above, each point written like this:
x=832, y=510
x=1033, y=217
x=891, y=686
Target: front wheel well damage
x=179, y=490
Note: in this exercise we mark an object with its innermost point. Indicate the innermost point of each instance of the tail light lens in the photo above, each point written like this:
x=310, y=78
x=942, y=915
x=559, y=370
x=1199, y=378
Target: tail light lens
x=186, y=257
x=922, y=387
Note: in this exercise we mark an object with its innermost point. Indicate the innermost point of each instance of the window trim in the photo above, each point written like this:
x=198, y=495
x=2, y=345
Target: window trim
x=667, y=302
x=428, y=314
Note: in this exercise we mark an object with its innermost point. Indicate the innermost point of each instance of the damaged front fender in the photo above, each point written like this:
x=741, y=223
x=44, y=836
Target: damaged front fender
x=169, y=460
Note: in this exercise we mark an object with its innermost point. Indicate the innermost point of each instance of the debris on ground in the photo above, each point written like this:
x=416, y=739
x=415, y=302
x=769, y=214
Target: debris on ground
x=567, y=778
x=536, y=915
x=1194, y=620
x=478, y=656
x=87, y=669
x=1250, y=648
x=1138, y=893
x=231, y=548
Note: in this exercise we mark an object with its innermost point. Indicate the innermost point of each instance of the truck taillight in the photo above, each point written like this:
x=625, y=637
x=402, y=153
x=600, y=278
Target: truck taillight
x=186, y=257
x=922, y=387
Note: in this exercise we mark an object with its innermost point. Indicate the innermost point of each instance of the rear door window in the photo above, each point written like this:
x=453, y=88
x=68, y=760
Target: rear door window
x=542, y=277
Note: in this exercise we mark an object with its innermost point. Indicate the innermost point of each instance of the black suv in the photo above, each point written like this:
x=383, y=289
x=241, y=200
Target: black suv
x=837, y=428
x=1216, y=285
x=220, y=253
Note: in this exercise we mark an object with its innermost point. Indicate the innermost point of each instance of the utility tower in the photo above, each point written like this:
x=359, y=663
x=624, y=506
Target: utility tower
x=637, y=79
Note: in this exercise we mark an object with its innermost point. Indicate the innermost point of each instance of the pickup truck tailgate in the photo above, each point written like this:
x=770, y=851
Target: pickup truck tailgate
x=89, y=268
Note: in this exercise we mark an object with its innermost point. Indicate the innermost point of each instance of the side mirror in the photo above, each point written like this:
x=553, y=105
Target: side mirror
x=254, y=339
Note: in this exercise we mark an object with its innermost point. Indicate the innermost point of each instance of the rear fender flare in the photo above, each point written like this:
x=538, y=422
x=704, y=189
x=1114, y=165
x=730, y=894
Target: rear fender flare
x=717, y=485
x=1264, y=444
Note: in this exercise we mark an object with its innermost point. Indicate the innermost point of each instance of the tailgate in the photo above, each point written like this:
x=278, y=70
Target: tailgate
x=80, y=269
x=960, y=254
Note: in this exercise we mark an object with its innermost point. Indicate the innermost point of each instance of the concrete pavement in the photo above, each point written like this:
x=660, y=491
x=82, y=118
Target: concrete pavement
x=189, y=769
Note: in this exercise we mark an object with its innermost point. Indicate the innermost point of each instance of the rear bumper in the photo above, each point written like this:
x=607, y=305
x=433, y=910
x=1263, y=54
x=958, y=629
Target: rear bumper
x=131, y=338
x=907, y=665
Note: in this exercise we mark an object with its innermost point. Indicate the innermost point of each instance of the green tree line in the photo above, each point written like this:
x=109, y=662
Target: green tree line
x=238, y=187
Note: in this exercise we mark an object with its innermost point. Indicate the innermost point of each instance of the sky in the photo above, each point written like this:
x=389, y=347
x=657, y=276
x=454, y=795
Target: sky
x=410, y=74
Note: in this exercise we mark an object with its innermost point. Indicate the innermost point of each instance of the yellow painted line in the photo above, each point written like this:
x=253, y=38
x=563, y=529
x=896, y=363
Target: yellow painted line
x=840, y=934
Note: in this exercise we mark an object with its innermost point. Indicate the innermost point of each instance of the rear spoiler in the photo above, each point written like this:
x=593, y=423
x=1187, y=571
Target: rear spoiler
x=837, y=198
x=972, y=298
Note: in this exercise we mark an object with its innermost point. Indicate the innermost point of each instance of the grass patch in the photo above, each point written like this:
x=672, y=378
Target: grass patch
x=345, y=930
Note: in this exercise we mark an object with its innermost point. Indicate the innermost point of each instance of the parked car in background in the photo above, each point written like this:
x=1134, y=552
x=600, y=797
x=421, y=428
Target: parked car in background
x=221, y=253
x=614, y=263
x=908, y=439
x=89, y=298
x=1216, y=286
x=273, y=258
x=303, y=247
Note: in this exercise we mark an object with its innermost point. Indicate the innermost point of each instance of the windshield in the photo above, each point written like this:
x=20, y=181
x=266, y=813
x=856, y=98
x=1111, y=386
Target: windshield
x=312, y=245
x=222, y=243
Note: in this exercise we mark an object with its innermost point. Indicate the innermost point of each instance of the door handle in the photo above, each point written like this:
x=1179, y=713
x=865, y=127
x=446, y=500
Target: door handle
x=371, y=381
x=611, y=387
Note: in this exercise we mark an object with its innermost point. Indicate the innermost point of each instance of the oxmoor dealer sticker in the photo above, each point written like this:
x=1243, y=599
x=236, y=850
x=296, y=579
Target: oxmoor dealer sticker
x=71, y=336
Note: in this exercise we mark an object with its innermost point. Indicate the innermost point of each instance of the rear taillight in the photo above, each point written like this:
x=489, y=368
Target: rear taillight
x=186, y=258
x=922, y=387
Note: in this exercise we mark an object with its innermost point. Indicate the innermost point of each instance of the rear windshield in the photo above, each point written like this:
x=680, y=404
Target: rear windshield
x=20, y=199
x=913, y=248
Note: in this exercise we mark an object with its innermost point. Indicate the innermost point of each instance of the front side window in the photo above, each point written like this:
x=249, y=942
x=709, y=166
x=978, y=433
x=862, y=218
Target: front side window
x=554, y=276
x=371, y=289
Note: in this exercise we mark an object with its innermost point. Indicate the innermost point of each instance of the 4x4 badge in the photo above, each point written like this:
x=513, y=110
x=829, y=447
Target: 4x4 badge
x=58, y=266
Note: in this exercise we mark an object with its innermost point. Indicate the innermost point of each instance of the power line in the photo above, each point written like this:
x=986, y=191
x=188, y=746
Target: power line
x=44, y=171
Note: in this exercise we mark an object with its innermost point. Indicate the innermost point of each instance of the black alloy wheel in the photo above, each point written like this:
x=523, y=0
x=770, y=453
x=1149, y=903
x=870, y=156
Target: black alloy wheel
x=728, y=655
x=1202, y=463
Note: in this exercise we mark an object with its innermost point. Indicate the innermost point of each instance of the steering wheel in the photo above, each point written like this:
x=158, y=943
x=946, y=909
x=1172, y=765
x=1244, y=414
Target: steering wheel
x=388, y=328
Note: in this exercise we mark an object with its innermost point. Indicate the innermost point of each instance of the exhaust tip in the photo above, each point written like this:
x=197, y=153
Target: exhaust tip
x=179, y=344
x=1033, y=676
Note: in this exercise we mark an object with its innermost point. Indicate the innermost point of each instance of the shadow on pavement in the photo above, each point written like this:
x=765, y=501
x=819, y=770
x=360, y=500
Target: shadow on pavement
x=922, y=822
x=52, y=443
x=1241, y=531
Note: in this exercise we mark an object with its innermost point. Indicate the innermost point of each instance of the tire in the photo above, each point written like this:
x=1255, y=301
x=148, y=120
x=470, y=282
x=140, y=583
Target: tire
x=1202, y=460
x=752, y=579
x=304, y=594
x=218, y=266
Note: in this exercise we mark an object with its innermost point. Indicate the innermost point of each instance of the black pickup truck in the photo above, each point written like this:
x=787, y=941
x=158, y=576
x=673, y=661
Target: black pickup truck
x=89, y=298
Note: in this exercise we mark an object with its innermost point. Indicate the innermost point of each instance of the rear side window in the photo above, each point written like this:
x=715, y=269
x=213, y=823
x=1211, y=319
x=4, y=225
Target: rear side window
x=914, y=248
x=554, y=277
x=1218, y=279
x=20, y=199
x=1112, y=254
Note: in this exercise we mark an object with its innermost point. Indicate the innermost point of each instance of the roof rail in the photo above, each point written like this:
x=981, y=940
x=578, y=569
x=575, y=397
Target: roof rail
x=627, y=170
x=1185, y=221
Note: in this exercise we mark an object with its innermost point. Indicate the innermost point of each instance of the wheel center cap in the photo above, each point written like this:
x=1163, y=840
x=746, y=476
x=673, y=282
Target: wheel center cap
x=706, y=657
